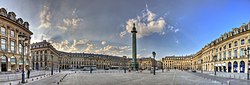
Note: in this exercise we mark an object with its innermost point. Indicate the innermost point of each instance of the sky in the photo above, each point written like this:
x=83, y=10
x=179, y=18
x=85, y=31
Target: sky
x=168, y=27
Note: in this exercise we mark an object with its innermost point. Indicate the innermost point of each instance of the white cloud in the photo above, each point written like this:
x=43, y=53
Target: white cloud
x=177, y=41
x=146, y=24
x=176, y=30
x=68, y=23
x=45, y=17
x=39, y=37
x=103, y=42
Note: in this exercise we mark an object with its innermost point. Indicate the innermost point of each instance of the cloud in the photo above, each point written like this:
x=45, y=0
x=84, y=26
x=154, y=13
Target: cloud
x=68, y=23
x=176, y=30
x=146, y=24
x=177, y=41
x=45, y=17
x=88, y=46
x=103, y=42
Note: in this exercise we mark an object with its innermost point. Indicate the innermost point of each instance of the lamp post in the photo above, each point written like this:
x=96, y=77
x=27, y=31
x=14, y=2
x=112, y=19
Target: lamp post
x=52, y=65
x=154, y=60
x=214, y=59
x=201, y=65
x=22, y=38
x=60, y=65
x=247, y=53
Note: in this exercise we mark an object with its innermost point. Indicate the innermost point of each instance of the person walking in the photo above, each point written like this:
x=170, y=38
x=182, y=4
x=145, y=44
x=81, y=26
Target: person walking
x=28, y=73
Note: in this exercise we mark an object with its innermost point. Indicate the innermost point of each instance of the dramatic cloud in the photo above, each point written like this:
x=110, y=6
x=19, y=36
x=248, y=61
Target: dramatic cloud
x=88, y=46
x=45, y=17
x=146, y=24
x=68, y=23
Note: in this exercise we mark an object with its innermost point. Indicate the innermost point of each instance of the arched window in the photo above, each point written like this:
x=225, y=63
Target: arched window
x=229, y=66
x=235, y=67
x=242, y=67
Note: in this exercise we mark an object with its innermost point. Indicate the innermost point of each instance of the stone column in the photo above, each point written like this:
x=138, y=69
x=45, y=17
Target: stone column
x=134, y=60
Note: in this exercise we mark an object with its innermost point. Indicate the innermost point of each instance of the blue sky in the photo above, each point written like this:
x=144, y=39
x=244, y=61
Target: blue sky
x=168, y=27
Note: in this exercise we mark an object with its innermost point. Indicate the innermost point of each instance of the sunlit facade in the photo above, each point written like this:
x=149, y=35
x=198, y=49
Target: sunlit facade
x=44, y=56
x=11, y=49
x=225, y=54
x=177, y=62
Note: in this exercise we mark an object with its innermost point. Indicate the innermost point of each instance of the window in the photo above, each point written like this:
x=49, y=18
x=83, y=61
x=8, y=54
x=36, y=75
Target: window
x=235, y=43
x=26, y=50
x=12, y=33
x=220, y=56
x=20, y=48
x=225, y=47
x=3, y=31
x=12, y=46
x=242, y=53
x=229, y=45
x=224, y=56
x=242, y=42
x=235, y=53
x=249, y=40
x=3, y=44
x=229, y=54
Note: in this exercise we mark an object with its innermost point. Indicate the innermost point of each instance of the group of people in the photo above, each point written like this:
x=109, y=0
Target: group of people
x=28, y=72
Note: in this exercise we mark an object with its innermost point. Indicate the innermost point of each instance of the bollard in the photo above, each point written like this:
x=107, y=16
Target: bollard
x=57, y=83
x=26, y=81
x=10, y=83
x=37, y=78
x=228, y=82
x=31, y=79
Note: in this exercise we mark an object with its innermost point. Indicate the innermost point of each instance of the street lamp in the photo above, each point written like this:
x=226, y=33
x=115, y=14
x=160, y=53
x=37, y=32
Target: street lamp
x=247, y=53
x=52, y=65
x=60, y=65
x=154, y=60
x=214, y=59
x=201, y=65
x=22, y=38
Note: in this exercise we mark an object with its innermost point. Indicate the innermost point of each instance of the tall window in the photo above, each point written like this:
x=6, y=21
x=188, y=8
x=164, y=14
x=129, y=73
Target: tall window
x=225, y=47
x=224, y=56
x=12, y=46
x=229, y=54
x=242, y=42
x=20, y=48
x=235, y=53
x=220, y=56
x=249, y=40
x=242, y=53
x=229, y=45
x=3, y=31
x=12, y=33
x=26, y=50
x=3, y=44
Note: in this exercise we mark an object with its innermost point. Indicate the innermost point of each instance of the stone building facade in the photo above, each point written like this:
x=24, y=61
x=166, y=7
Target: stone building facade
x=225, y=54
x=44, y=55
x=11, y=49
x=177, y=62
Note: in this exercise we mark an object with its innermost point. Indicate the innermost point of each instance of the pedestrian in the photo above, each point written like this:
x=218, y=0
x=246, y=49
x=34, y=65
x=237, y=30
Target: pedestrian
x=28, y=73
